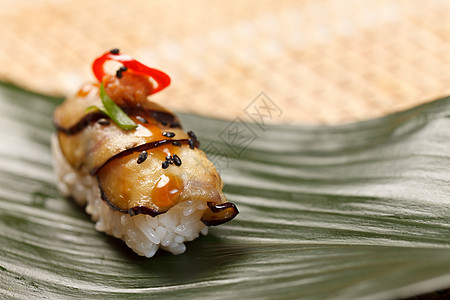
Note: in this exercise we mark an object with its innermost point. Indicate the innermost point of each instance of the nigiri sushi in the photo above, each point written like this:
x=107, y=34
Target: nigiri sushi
x=140, y=176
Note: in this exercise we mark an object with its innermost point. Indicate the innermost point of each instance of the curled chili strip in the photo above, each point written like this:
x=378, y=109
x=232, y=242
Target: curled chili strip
x=161, y=78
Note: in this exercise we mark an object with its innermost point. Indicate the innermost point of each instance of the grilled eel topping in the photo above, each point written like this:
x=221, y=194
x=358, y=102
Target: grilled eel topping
x=146, y=170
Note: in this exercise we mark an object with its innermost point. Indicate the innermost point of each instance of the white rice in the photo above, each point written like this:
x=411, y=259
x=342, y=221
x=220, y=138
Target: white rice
x=142, y=233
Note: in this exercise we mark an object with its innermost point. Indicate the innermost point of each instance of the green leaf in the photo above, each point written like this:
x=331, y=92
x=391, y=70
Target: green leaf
x=353, y=211
x=114, y=112
x=93, y=107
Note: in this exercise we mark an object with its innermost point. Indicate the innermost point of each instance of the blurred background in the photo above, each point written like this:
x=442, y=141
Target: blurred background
x=319, y=62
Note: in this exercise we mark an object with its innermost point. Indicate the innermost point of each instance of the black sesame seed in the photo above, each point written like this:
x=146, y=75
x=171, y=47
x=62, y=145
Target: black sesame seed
x=142, y=157
x=176, y=143
x=164, y=122
x=191, y=134
x=141, y=119
x=174, y=125
x=165, y=164
x=169, y=159
x=168, y=134
x=176, y=160
x=120, y=71
x=103, y=122
x=114, y=51
x=191, y=143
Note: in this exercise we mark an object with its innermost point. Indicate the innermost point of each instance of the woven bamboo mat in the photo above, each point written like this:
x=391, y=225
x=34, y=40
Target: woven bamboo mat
x=315, y=61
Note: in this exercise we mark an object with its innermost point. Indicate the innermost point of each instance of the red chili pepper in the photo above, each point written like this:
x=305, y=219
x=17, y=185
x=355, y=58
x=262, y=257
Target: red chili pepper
x=160, y=77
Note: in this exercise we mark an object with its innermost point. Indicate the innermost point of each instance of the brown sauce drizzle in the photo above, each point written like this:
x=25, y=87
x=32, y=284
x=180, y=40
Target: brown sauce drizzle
x=83, y=123
x=132, y=211
x=165, y=118
x=217, y=208
x=221, y=206
x=140, y=148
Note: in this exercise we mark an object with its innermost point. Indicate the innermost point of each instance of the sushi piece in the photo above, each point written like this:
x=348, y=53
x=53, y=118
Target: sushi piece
x=141, y=177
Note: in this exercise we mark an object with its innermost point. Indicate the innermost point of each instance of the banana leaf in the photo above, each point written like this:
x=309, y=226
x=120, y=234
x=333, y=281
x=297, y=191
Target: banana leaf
x=359, y=210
